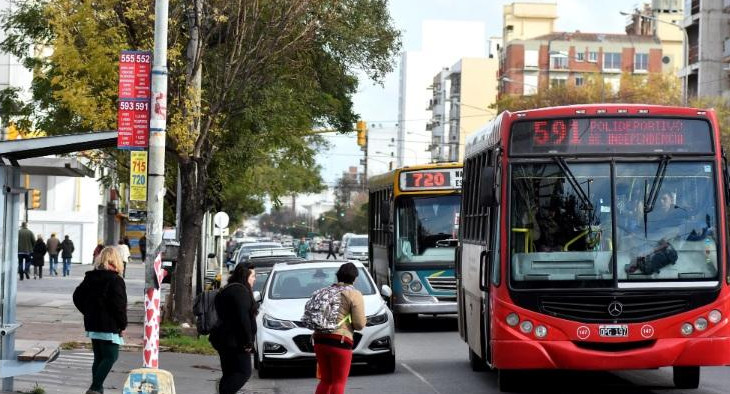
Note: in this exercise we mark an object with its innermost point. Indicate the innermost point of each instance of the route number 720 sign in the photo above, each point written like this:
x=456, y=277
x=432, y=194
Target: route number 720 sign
x=138, y=176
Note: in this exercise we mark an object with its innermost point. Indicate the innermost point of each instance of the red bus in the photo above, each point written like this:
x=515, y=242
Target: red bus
x=593, y=237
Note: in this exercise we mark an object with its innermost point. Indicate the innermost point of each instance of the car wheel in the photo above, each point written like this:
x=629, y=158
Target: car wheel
x=255, y=360
x=386, y=364
x=265, y=370
x=477, y=363
x=686, y=377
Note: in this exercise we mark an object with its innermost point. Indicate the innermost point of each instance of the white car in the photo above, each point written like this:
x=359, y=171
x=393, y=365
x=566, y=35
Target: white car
x=357, y=248
x=283, y=340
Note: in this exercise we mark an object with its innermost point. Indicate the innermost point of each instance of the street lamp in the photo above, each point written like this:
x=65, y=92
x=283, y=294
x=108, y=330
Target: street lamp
x=685, y=64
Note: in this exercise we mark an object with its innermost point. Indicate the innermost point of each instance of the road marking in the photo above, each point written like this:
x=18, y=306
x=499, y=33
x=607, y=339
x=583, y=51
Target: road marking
x=420, y=377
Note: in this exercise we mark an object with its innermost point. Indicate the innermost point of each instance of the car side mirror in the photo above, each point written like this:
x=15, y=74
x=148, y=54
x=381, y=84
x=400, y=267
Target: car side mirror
x=386, y=291
x=487, y=187
x=257, y=296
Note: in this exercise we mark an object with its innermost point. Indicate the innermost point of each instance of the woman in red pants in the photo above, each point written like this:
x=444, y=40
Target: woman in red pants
x=334, y=349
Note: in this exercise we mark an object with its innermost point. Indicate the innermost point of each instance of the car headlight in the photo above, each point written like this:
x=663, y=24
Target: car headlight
x=376, y=320
x=276, y=324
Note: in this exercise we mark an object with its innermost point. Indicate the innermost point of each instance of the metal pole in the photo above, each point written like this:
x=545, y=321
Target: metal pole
x=685, y=93
x=155, y=199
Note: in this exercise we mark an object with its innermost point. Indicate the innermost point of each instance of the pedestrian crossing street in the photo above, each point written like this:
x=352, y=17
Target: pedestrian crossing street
x=72, y=369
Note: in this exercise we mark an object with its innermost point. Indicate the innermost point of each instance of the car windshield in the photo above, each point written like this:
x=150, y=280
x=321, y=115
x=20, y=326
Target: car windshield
x=359, y=241
x=427, y=228
x=561, y=223
x=674, y=237
x=301, y=283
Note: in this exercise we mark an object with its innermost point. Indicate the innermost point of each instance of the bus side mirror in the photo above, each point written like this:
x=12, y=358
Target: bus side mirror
x=385, y=213
x=488, y=187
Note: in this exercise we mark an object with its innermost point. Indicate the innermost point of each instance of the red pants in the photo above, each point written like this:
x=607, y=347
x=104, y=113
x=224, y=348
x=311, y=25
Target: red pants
x=334, y=367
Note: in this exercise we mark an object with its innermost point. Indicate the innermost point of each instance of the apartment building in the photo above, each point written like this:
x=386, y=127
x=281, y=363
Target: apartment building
x=707, y=23
x=565, y=58
x=462, y=95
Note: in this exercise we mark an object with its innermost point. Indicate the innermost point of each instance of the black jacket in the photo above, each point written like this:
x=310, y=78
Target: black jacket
x=39, y=251
x=236, y=318
x=102, y=299
x=67, y=249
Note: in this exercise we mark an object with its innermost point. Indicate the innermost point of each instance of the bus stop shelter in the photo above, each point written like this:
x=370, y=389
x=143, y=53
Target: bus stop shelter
x=19, y=157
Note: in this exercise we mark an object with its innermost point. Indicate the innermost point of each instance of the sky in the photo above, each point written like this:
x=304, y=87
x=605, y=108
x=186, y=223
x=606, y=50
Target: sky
x=379, y=104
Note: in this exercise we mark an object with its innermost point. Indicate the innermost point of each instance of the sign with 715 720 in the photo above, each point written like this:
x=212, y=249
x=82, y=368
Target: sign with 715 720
x=138, y=176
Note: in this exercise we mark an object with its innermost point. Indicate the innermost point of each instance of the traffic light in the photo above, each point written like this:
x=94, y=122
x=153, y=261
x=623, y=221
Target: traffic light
x=35, y=199
x=362, y=133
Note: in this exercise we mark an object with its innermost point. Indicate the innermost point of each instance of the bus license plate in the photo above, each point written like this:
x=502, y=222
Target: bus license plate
x=618, y=330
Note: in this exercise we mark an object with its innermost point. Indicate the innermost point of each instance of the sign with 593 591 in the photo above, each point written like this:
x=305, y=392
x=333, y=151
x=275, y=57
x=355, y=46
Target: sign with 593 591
x=133, y=124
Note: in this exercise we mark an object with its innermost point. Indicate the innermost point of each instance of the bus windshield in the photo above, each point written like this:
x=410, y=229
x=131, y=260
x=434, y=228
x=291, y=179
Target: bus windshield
x=561, y=223
x=427, y=228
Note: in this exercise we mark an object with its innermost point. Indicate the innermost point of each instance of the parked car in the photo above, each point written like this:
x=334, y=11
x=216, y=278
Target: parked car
x=245, y=250
x=357, y=248
x=343, y=244
x=282, y=339
x=170, y=250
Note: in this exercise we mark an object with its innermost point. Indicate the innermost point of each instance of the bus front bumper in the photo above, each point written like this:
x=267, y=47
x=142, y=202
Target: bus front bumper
x=519, y=354
x=407, y=304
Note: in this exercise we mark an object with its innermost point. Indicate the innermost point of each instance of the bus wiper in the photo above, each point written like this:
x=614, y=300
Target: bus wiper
x=656, y=185
x=574, y=183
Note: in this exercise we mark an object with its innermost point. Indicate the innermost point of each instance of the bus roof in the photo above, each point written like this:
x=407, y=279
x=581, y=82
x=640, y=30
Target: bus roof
x=389, y=178
x=489, y=134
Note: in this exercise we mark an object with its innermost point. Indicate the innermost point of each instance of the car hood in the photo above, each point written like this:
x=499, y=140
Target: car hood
x=294, y=309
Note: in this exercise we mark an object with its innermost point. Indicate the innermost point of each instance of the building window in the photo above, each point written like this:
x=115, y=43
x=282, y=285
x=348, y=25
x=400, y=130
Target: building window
x=531, y=58
x=579, y=56
x=612, y=61
x=579, y=81
x=557, y=82
x=593, y=57
x=559, y=63
x=641, y=62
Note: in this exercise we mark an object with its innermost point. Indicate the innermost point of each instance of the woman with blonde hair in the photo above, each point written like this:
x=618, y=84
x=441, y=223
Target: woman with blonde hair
x=102, y=299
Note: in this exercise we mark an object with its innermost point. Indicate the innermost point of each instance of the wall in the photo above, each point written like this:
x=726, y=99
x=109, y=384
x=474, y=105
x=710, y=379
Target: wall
x=528, y=20
x=478, y=91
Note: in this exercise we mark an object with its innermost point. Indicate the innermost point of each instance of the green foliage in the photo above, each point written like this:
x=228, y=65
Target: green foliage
x=172, y=338
x=721, y=105
x=37, y=389
x=656, y=88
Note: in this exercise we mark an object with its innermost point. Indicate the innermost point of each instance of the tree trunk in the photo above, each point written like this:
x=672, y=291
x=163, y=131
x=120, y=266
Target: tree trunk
x=194, y=180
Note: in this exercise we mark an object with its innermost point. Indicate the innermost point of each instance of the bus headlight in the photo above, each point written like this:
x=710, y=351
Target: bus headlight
x=526, y=326
x=715, y=316
x=701, y=324
x=416, y=286
x=406, y=278
x=513, y=319
x=541, y=331
x=687, y=329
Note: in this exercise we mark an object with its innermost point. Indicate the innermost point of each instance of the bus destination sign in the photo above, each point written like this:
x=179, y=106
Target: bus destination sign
x=611, y=135
x=441, y=179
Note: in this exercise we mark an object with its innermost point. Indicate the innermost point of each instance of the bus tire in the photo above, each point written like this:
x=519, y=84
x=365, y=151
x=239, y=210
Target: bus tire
x=508, y=380
x=686, y=377
x=405, y=321
x=477, y=363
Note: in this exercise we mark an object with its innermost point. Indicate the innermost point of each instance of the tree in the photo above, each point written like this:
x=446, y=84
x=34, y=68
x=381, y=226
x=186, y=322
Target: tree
x=655, y=88
x=247, y=82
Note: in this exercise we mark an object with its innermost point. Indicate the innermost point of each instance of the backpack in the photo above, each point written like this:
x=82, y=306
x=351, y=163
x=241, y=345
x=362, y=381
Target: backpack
x=206, y=316
x=322, y=311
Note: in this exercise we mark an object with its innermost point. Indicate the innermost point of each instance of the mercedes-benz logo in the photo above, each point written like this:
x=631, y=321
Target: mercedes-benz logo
x=615, y=308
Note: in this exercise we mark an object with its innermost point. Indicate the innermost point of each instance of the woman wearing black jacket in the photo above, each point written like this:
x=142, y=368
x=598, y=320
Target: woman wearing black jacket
x=39, y=252
x=102, y=299
x=233, y=337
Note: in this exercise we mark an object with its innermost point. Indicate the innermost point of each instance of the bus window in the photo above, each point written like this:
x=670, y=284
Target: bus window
x=673, y=237
x=561, y=222
x=427, y=228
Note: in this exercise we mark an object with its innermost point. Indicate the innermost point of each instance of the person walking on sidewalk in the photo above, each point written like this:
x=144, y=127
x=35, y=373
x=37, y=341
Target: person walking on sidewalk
x=52, y=245
x=26, y=241
x=67, y=250
x=334, y=348
x=97, y=250
x=303, y=249
x=143, y=247
x=102, y=299
x=234, y=335
x=124, y=253
x=39, y=254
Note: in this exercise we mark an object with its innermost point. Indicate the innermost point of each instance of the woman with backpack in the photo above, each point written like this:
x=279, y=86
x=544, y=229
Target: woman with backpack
x=334, y=348
x=102, y=299
x=233, y=335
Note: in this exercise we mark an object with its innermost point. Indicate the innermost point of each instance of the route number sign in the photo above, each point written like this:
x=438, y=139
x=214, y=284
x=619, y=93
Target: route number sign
x=138, y=176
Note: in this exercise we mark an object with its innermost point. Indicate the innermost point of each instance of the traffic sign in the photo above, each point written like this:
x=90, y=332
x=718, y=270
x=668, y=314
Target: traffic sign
x=138, y=176
x=220, y=219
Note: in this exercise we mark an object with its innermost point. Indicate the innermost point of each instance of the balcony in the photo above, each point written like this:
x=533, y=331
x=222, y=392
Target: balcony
x=692, y=7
